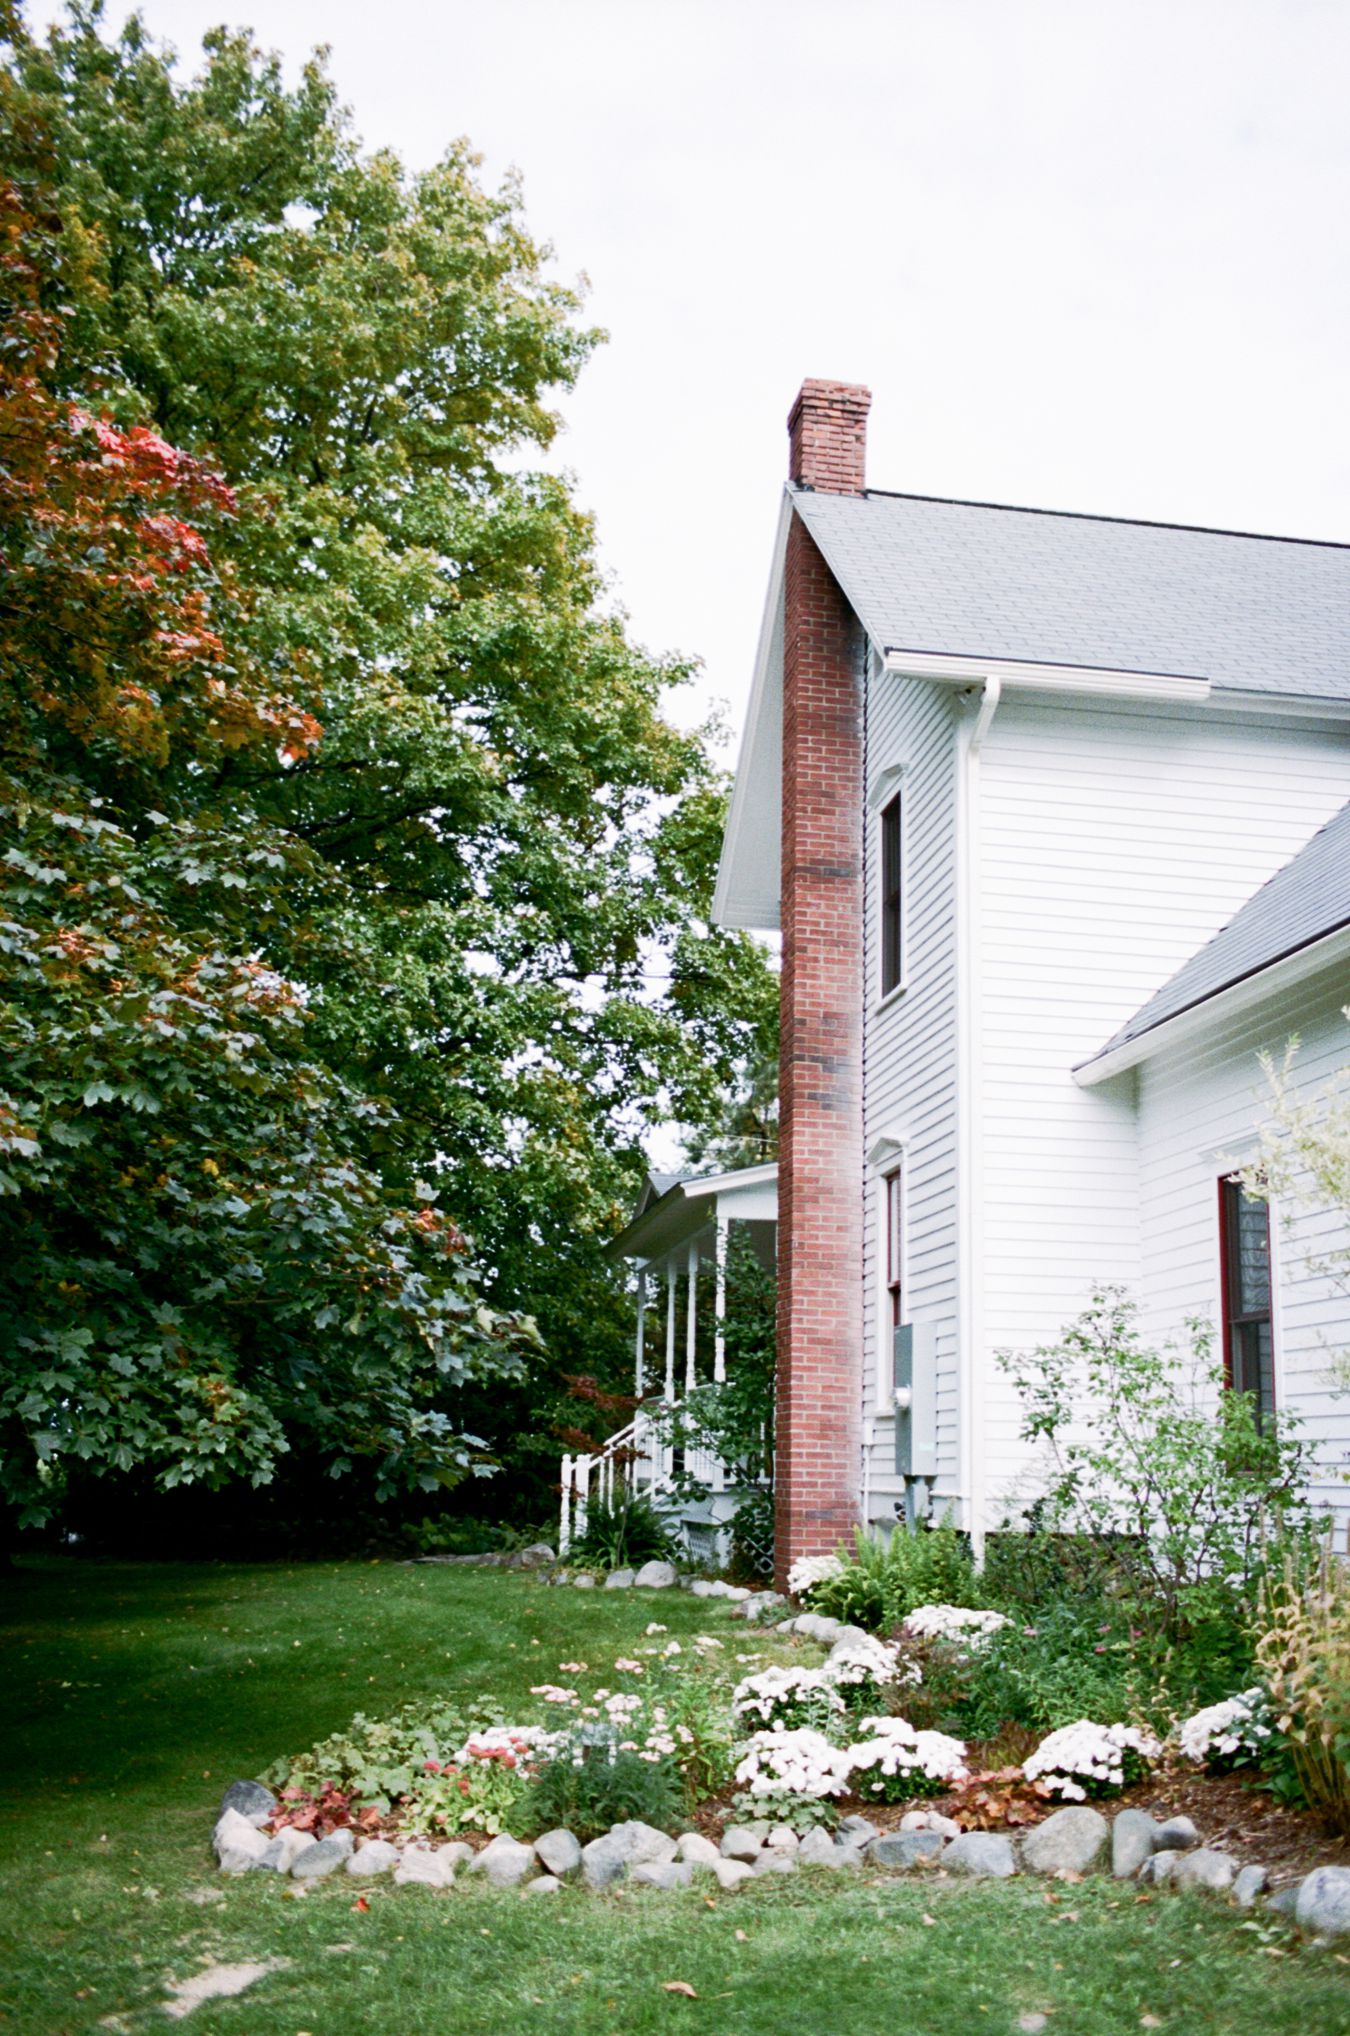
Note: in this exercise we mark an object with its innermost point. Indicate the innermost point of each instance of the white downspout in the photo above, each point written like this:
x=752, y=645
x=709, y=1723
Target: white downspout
x=970, y=1313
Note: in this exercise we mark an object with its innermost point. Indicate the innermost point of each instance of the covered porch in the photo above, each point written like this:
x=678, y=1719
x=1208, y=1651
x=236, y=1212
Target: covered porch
x=676, y=1242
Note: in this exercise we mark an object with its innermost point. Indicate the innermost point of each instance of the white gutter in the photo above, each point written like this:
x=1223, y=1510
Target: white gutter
x=970, y=1113
x=1048, y=678
x=1229, y=1002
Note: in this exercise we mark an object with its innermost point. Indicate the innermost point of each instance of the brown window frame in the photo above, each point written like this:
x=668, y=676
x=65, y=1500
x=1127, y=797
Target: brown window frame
x=892, y=863
x=1236, y=1318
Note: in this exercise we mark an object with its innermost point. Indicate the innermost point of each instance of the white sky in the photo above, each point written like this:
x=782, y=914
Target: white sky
x=1088, y=254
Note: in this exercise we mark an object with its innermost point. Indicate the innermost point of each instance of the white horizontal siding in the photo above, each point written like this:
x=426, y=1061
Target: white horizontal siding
x=1113, y=842
x=1199, y=1106
x=909, y=1064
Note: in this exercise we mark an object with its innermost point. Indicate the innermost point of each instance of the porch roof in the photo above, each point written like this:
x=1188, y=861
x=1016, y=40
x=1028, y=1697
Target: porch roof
x=673, y=1208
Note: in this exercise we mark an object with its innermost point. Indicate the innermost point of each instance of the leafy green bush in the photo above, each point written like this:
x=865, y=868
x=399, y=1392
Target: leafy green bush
x=590, y=1785
x=1068, y=1665
x=752, y=1532
x=377, y=1760
x=621, y=1534
x=886, y=1576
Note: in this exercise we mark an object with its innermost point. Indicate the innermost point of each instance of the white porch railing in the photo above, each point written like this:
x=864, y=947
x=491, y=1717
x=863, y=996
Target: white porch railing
x=637, y=1459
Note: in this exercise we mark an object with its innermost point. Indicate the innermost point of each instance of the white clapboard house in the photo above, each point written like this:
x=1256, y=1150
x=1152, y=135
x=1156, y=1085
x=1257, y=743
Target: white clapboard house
x=1051, y=812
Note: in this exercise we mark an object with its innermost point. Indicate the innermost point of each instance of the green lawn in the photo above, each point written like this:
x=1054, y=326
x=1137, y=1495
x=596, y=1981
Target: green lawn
x=133, y=1693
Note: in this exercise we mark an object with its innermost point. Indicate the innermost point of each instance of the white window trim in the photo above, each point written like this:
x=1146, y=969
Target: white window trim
x=887, y=1156
x=887, y=785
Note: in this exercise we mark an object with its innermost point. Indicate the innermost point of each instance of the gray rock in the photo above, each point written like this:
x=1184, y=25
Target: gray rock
x=754, y=1608
x=740, y=1842
x=1159, y=1867
x=620, y=1580
x=696, y=1849
x=735, y=1594
x=1206, y=1868
x=505, y=1861
x=560, y=1852
x=318, y=1861
x=848, y=1855
x=701, y=1587
x=667, y=1874
x=1134, y=1837
x=817, y=1848
x=602, y=1863
x=1178, y=1834
x=249, y=1800
x=656, y=1576
x=536, y=1556
x=1323, y=1907
x=377, y=1855
x=1284, y=1901
x=543, y=1884
x=731, y=1872
x=818, y=1626
x=1071, y=1841
x=239, y=1845
x=454, y=1855
x=987, y=1854
x=774, y=1862
x=1250, y=1882
x=583, y=1581
x=642, y=1844
x=782, y=1838
x=946, y=1827
x=858, y=1830
x=286, y=1848
x=903, y=1849
x=420, y=1866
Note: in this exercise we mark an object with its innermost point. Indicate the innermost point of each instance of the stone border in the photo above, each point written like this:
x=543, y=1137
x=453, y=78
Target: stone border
x=1069, y=1844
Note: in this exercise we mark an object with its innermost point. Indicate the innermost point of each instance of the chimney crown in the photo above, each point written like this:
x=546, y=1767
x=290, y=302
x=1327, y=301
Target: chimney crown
x=827, y=437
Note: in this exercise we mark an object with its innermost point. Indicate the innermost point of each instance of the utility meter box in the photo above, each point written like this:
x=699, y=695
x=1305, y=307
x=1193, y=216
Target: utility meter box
x=915, y=1376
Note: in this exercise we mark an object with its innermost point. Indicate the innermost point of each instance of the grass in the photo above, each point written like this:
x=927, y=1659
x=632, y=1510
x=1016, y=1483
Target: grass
x=132, y=1694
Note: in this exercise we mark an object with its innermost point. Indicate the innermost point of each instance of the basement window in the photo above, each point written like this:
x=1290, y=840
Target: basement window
x=1248, y=1338
x=891, y=885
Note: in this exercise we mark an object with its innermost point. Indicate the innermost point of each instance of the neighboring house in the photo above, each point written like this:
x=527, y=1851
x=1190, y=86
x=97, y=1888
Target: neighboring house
x=1011, y=786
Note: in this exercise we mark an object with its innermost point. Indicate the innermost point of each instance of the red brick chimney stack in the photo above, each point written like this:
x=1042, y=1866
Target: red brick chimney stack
x=820, y=1282
x=827, y=437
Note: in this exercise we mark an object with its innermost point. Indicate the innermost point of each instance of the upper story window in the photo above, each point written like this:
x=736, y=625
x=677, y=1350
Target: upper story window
x=1248, y=1341
x=891, y=885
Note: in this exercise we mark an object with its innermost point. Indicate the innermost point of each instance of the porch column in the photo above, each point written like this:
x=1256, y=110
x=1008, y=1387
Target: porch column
x=691, y=1324
x=720, y=1304
x=670, y=1332
x=639, y=1354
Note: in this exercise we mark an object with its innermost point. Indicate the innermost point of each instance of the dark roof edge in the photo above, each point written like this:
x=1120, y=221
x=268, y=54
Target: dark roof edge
x=1086, y=516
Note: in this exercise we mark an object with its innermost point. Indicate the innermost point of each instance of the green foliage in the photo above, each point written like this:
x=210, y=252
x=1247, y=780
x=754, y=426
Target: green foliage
x=1149, y=1453
x=886, y=1576
x=590, y=1786
x=733, y=1419
x=1066, y=1665
x=376, y=1760
x=752, y=1538
x=1303, y=1655
x=800, y=1813
x=621, y=1534
x=506, y=851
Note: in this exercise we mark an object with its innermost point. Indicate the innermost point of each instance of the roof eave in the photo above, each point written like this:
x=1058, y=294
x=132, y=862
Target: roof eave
x=1243, y=994
x=746, y=893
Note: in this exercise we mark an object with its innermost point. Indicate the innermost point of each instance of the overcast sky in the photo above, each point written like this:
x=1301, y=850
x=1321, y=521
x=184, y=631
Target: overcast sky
x=1088, y=254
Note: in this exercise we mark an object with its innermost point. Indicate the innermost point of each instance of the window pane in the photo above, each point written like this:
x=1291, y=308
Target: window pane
x=1253, y=1256
x=891, y=878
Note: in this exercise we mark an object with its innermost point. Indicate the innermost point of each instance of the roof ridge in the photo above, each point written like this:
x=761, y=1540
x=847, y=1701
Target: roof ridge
x=1097, y=516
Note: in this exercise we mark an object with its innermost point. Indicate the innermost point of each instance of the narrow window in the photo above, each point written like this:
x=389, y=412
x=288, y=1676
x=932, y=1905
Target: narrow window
x=890, y=896
x=894, y=1249
x=1244, y=1240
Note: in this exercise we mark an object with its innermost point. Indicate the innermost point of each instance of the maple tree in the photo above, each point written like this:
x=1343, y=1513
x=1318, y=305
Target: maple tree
x=202, y=1265
x=517, y=846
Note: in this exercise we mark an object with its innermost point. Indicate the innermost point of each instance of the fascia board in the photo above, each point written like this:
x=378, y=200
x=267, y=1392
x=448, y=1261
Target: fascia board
x=741, y=900
x=951, y=670
x=1243, y=995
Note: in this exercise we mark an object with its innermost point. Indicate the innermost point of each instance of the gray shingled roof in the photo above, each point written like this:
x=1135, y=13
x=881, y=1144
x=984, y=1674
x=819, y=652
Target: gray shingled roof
x=1257, y=614
x=1303, y=902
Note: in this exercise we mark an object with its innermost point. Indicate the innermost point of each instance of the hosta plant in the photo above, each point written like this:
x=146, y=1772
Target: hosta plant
x=1086, y=1759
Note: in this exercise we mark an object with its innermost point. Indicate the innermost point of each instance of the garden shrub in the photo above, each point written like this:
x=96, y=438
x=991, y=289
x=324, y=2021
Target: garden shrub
x=1304, y=1656
x=375, y=1761
x=886, y=1576
x=592, y=1784
x=1085, y=1759
x=894, y=1761
x=622, y=1534
x=1235, y=1733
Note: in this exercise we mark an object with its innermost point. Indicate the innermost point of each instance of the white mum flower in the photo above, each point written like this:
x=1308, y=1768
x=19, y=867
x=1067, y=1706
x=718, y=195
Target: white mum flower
x=809, y=1570
x=1233, y=1731
x=801, y=1763
x=777, y=1695
x=1088, y=1759
x=893, y=1750
x=958, y=1623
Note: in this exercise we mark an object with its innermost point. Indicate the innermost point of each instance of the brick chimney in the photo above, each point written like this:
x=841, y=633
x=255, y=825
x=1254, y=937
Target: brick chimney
x=827, y=437
x=820, y=1265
